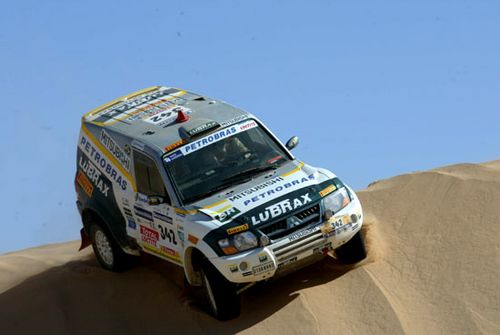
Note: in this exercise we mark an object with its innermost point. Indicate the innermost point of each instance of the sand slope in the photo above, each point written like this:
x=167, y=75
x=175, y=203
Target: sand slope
x=434, y=268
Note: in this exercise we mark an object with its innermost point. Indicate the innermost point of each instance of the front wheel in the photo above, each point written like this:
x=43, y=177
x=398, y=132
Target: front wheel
x=223, y=301
x=108, y=252
x=353, y=251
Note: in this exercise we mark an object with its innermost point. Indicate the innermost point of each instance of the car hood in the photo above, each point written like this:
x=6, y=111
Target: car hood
x=289, y=187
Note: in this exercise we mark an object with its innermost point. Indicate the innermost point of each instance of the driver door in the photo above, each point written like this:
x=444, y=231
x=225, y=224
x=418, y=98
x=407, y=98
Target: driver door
x=153, y=211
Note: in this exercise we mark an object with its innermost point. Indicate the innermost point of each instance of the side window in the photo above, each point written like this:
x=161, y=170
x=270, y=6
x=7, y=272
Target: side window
x=148, y=177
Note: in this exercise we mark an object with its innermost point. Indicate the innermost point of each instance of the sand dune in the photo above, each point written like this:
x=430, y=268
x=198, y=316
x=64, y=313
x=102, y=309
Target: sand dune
x=433, y=268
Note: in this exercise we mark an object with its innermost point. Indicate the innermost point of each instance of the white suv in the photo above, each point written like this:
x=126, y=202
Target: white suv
x=207, y=186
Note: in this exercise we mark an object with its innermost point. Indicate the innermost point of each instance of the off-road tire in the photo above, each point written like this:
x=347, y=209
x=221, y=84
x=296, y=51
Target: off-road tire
x=108, y=253
x=223, y=302
x=353, y=251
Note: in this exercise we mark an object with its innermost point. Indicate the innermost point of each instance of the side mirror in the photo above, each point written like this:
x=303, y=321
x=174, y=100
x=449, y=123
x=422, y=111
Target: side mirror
x=155, y=200
x=292, y=142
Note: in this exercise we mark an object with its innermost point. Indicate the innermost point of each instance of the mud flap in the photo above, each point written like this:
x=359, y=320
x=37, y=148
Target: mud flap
x=85, y=239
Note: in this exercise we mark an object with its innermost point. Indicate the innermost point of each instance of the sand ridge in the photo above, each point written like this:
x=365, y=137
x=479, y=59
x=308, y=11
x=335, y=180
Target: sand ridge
x=433, y=268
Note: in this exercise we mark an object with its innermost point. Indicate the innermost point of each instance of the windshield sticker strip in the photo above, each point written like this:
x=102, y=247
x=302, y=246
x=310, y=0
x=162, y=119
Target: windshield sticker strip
x=210, y=139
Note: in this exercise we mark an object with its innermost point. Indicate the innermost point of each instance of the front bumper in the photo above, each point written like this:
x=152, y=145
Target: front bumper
x=264, y=263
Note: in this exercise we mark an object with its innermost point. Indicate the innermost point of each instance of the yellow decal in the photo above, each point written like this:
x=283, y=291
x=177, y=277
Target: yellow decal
x=294, y=170
x=183, y=211
x=237, y=229
x=85, y=183
x=327, y=190
x=174, y=145
x=216, y=204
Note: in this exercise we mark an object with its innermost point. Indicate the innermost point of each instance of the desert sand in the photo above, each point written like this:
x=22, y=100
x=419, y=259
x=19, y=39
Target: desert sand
x=433, y=268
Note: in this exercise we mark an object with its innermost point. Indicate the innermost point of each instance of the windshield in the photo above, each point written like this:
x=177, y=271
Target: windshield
x=226, y=157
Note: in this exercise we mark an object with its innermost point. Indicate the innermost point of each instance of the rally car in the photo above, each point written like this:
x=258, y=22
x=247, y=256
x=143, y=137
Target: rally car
x=207, y=186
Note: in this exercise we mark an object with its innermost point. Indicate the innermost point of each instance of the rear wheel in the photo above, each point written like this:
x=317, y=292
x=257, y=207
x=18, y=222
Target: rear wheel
x=223, y=302
x=108, y=252
x=353, y=251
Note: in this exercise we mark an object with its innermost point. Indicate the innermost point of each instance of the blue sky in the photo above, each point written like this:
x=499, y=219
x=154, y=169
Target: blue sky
x=372, y=88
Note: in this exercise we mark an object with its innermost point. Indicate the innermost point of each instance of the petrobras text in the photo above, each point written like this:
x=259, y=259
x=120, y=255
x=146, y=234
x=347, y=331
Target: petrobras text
x=102, y=161
x=270, y=189
x=212, y=138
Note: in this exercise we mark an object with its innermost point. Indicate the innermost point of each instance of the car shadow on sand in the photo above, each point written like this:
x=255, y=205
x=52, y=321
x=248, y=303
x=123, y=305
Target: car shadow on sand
x=80, y=298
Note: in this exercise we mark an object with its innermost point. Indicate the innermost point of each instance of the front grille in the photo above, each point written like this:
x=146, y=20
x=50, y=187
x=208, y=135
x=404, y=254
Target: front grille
x=278, y=229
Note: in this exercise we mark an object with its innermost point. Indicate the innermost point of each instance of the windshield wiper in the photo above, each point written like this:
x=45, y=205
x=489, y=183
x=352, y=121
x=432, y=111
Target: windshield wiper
x=250, y=172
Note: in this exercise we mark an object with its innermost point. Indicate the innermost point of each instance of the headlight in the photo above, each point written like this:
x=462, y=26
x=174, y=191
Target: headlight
x=337, y=200
x=239, y=242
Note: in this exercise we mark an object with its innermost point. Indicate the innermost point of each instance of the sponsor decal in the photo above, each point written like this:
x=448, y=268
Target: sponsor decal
x=162, y=217
x=237, y=229
x=85, y=183
x=115, y=150
x=149, y=236
x=266, y=267
x=233, y=121
x=131, y=223
x=206, y=141
x=166, y=117
x=102, y=161
x=192, y=239
x=163, y=253
x=327, y=190
x=233, y=268
x=169, y=251
x=246, y=274
x=174, y=145
x=336, y=225
x=227, y=214
x=256, y=188
x=153, y=109
x=143, y=213
x=248, y=125
x=302, y=233
x=270, y=188
x=280, y=208
x=94, y=174
x=167, y=234
x=202, y=128
x=173, y=156
x=123, y=109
